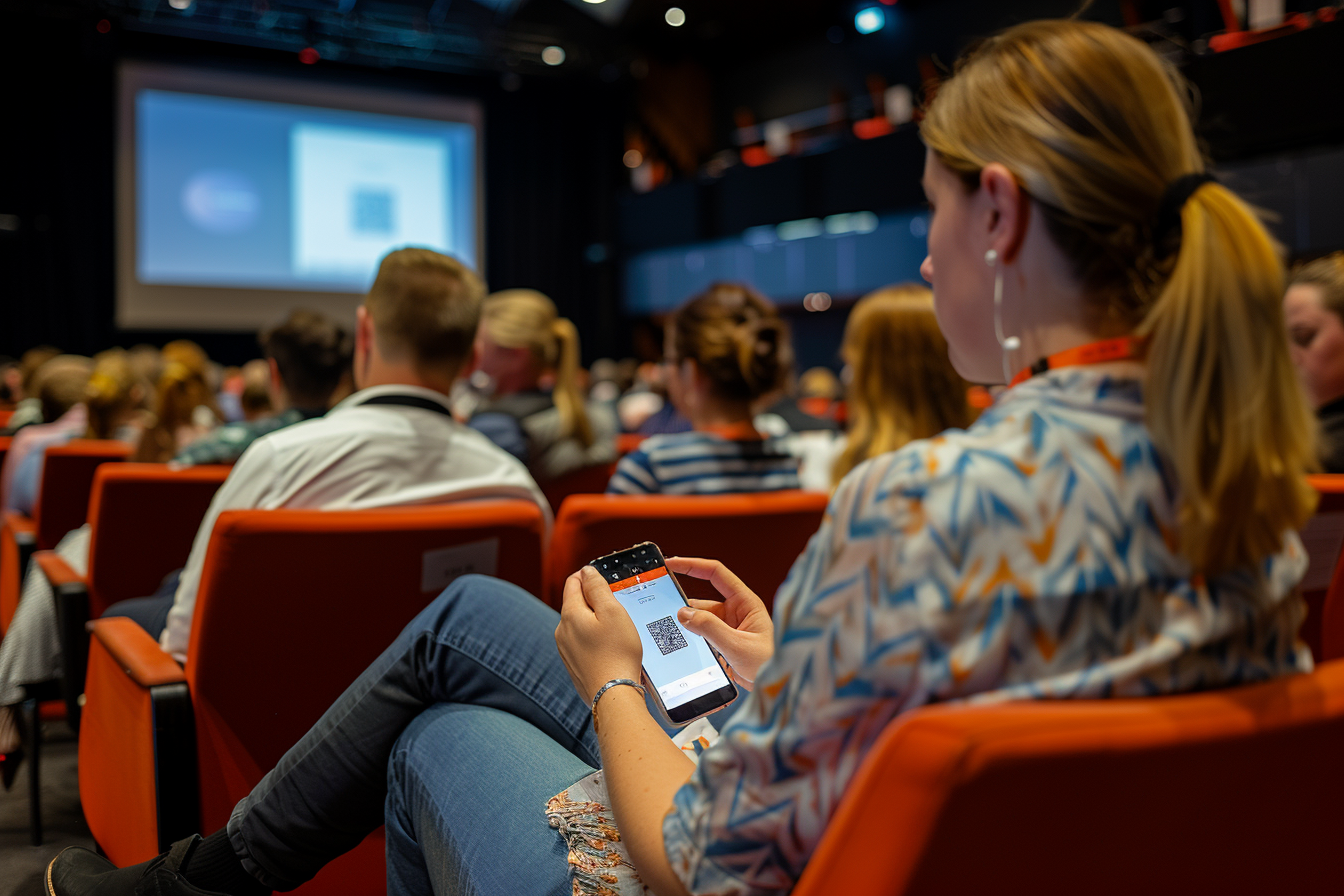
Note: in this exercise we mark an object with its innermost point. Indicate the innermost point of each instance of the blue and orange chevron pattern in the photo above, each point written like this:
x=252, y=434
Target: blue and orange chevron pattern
x=1031, y=556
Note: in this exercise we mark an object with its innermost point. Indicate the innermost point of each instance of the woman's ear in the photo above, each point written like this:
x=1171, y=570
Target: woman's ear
x=1009, y=208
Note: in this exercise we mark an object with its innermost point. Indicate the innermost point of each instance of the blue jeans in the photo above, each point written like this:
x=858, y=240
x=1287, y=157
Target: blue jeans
x=456, y=737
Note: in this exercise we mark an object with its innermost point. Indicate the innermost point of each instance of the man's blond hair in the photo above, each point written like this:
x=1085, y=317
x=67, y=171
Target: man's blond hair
x=425, y=308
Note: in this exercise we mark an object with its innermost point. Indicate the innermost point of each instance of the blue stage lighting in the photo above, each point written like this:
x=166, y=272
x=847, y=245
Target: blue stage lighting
x=868, y=20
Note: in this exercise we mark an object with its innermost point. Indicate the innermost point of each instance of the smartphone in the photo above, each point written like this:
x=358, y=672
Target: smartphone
x=683, y=670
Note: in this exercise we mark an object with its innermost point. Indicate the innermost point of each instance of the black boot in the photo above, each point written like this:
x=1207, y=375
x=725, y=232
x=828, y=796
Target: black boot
x=80, y=872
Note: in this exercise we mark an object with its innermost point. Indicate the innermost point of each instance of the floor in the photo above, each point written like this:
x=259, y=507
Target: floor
x=23, y=865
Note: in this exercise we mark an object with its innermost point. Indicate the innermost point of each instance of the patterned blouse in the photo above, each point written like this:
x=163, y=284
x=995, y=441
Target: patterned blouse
x=1030, y=556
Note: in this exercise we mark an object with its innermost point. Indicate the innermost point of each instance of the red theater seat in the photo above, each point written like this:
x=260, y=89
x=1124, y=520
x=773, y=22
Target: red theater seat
x=1323, y=585
x=1233, y=791
x=62, y=505
x=584, y=481
x=293, y=605
x=757, y=536
x=143, y=520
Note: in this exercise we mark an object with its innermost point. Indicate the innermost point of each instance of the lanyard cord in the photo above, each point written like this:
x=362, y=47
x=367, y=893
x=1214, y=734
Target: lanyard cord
x=1122, y=348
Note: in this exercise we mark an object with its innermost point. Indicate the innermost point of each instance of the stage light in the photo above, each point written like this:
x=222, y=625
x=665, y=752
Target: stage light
x=308, y=56
x=866, y=21
x=181, y=4
x=103, y=26
x=633, y=158
x=594, y=2
x=817, y=301
x=675, y=17
x=553, y=55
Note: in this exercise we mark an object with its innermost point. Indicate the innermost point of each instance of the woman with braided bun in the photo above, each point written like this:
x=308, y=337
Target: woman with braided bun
x=1120, y=522
x=535, y=409
x=724, y=350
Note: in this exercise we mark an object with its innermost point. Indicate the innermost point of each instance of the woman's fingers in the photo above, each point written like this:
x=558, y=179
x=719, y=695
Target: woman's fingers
x=724, y=580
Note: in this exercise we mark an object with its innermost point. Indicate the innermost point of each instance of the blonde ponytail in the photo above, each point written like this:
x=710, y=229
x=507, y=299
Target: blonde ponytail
x=110, y=393
x=566, y=395
x=1096, y=129
x=524, y=318
x=1224, y=405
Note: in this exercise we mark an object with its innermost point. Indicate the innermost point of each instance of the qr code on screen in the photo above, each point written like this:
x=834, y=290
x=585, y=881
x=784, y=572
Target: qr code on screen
x=667, y=635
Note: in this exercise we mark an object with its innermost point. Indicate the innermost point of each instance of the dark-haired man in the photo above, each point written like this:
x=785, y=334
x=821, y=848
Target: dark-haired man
x=309, y=355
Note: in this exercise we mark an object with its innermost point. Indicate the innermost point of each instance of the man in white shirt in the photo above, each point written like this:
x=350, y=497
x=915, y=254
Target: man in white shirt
x=393, y=442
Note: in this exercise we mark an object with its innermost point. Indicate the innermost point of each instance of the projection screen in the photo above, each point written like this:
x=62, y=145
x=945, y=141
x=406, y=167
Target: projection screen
x=241, y=197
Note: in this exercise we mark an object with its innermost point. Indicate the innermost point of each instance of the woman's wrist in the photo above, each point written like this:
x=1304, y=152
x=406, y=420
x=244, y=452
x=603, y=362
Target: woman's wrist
x=616, y=701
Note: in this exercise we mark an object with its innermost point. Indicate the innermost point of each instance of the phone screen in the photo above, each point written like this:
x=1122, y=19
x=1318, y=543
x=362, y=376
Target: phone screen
x=679, y=663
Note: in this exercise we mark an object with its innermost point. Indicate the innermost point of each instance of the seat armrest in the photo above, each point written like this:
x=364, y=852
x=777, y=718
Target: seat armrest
x=70, y=591
x=23, y=527
x=58, y=572
x=136, y=652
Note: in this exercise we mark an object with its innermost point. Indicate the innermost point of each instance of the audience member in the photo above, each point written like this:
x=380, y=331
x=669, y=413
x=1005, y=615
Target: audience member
x=392, y=442
x=307, y=356
x=58, y=388
x=184, y=405
x=11, y=383
x=536, y=409
x=901, y=385
x=28, y=410
x=1020, y=558
x=112, y=408
x=113, y=402
x=725, y=349
x=1313, y=309
x=645, y=408
x=255, y=400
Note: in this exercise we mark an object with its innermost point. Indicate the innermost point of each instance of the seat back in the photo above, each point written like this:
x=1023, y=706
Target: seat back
x=1233, y=791
x=67, y=479
x=294, y=604
x=590, y=480
x=757, y=536
x=144, y=519
x=1323, y=537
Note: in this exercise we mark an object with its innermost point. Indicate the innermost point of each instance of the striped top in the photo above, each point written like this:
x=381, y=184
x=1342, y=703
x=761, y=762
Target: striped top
x=704, y=463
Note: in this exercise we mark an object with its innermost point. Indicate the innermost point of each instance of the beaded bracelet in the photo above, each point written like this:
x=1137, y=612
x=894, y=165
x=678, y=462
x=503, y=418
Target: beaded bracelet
x=611, y=684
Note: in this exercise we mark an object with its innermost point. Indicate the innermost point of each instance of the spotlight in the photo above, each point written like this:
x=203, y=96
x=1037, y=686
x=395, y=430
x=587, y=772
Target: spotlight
x=675, y=17
x=633, y=158
x=866, y=21
x=816, y=301
x=553, y=55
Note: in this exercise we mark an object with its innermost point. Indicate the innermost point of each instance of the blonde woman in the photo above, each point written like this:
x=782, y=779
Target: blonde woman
x=901, y=384
x=1119, y=523
x=535, y=409
x=184, y=404
x=1313, y=309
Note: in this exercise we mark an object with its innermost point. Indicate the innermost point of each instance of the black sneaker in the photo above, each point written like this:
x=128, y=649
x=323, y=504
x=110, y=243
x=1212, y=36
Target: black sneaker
x=81, y=872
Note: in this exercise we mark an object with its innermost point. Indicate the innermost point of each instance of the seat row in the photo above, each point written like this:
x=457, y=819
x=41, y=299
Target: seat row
x=294, y=604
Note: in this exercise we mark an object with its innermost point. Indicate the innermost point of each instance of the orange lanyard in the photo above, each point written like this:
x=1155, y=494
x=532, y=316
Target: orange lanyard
x=1122, y=348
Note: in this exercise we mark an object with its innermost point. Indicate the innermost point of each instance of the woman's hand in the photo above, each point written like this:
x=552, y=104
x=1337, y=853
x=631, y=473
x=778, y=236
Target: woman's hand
x=596, y=636
x=739, y=627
